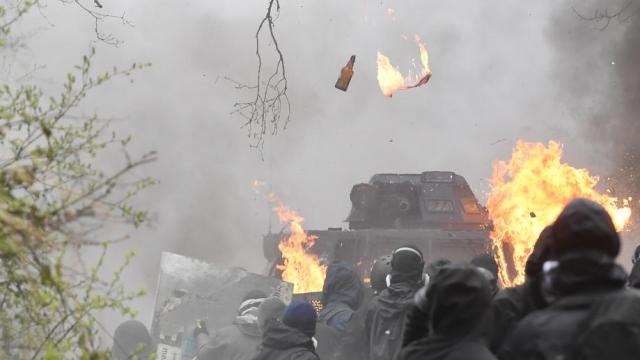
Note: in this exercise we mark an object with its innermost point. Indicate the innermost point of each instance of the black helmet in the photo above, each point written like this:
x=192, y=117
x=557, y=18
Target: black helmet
x=379, y=271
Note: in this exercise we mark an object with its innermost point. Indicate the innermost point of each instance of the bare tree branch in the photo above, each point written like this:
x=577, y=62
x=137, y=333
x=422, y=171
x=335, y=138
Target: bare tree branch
x=602, y=18
x=99, y=16
x=269, y=110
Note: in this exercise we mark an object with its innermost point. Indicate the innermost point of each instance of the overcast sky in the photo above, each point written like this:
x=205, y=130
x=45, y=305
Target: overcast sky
x=501, y=70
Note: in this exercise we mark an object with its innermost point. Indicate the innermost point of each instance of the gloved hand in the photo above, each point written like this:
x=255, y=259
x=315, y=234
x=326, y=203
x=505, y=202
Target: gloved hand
x=420, y=298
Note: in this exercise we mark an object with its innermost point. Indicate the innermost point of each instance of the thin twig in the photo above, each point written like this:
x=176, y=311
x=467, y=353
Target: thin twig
x=270, y=109
x=603, y=16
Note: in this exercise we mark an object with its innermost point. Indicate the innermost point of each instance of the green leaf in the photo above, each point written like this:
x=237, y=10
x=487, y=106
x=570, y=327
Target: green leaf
x=46, y=278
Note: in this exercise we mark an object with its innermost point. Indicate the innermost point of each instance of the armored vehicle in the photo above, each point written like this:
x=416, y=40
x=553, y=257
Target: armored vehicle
x=435, y=211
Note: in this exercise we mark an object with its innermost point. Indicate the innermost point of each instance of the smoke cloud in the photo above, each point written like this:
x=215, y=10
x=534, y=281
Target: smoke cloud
x=501, y=70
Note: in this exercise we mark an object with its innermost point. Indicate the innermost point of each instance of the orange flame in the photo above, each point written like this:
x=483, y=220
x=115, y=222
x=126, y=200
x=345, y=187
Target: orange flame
x=391, y=80
x=257, y=185
x=303, y=270
x=528, y=193
x=392, y=13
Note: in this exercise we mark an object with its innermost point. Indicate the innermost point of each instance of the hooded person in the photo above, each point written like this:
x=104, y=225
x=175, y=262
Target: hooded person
x=593, y=314
x=240, y=340
x=510, y=305
x=342, y=296
x=271, y=308
x=457, y=302
x=292, y=337
x=352, y=337
x=433, y=267
x=386, y=314
x=415, y=327
x=131, y=340
x=634, y=276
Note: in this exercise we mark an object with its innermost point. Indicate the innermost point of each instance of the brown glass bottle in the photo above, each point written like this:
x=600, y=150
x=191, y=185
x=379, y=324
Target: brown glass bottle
x=346, y=74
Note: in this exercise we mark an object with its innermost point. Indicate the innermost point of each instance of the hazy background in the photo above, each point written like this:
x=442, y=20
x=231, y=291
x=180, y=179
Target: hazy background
x=501, y=70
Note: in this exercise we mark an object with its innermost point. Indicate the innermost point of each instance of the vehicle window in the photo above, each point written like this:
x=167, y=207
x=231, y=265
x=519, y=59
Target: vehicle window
x=440, y=206
x=470, y=206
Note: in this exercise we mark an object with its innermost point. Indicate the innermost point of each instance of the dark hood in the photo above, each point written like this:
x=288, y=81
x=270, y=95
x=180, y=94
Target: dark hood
x=271, y=308
x=129, y=338
x=586, y=272
x=432, y=268
x=342, y=285
x=584, y=225
x=540, y=254
x=397, y=295
x=282, y=337
x=458, y=298
x=634, y=277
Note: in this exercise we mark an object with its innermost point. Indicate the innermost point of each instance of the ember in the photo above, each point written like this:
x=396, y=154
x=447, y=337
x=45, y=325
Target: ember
x=527, y=194
x=391, y=80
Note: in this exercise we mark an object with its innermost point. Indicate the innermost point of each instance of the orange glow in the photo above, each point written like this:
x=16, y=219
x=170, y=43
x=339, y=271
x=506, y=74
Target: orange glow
x=528, y=193
x=391, y=13
x=257, y=185
x=391, y=80
x=303, y=270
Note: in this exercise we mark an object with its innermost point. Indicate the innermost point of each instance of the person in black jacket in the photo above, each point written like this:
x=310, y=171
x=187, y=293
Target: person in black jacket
x=240, y=340
x=291, y=338
x=510, y=305
x=584, y=283
x=353, y=338
x=416, y=322
x=385, y=317
x=457, y=302
x=342, y=296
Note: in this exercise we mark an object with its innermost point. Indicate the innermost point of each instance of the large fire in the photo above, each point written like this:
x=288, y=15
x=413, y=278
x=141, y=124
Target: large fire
x=300, y=268
x=528, y=193
x=391, y=80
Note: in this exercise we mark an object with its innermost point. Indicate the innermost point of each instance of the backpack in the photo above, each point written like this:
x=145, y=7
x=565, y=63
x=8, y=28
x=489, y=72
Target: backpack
x=385, y=325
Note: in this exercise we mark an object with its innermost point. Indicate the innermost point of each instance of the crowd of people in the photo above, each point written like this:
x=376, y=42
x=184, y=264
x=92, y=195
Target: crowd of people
x=576, y=303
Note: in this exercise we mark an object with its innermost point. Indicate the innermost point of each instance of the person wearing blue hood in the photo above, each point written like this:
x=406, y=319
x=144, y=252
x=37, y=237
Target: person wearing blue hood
x=342, y=296
x=292, y=337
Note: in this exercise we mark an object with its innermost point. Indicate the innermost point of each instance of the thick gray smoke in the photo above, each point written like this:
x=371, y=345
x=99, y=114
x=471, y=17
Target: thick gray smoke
x=501, y=70
x=597, y=53
x=596, y=75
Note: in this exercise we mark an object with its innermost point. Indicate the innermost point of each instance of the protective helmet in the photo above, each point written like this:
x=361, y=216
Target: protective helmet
x=379, y=271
